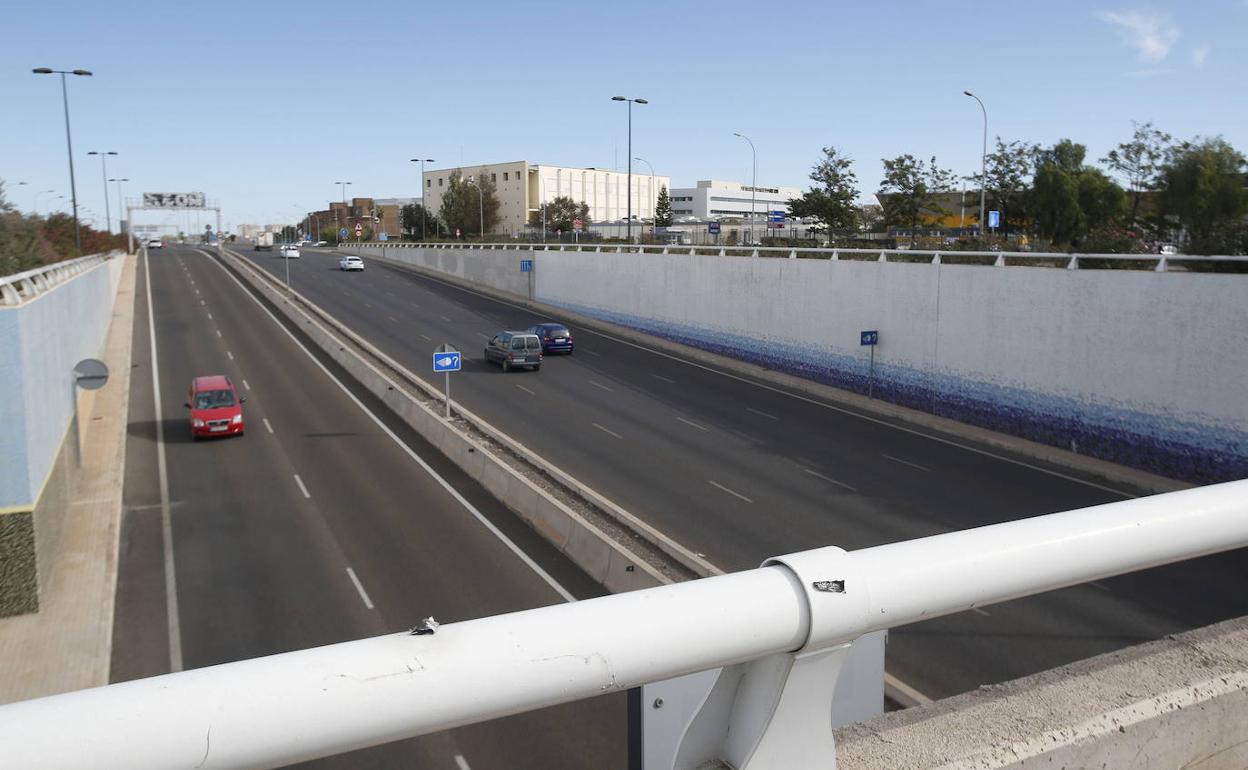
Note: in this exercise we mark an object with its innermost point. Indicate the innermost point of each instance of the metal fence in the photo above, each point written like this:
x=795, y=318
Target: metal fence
x=781, y=632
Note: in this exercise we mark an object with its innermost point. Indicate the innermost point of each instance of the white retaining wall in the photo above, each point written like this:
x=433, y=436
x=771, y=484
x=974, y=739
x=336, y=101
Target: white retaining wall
x=40, y=342
x=1141, y=368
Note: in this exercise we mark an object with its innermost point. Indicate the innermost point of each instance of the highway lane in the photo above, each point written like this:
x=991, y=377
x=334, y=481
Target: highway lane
x=317, y=527
x=740, y=470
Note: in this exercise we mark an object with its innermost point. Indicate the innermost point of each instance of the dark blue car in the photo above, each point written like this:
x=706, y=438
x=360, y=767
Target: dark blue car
x=555, y=337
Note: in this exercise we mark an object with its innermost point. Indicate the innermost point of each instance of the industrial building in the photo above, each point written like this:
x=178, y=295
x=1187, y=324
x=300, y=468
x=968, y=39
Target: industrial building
x=522, y=187
x=714, y=199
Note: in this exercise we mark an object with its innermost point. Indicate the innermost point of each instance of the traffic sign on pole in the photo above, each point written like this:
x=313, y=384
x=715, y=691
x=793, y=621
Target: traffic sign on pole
x=342, y=233
x=446, y=359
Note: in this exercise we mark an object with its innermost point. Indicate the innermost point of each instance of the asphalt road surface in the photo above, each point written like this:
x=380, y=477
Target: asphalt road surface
x=741, y=470
x=317, y=526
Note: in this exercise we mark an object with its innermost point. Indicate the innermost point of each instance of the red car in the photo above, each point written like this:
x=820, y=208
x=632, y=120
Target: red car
x=216, y=409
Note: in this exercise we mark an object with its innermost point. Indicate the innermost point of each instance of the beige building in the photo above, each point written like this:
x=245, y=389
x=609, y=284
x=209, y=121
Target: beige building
x=522, y=187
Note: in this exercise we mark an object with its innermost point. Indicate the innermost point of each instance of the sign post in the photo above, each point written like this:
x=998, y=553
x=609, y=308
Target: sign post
x=712, y=228
x=994, y=220
x=870, y=338
x=446, y=359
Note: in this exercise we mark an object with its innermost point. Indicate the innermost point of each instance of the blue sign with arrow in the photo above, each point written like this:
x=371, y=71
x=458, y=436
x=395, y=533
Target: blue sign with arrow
x=342, y=233
x=869, y=338
x=446, y=362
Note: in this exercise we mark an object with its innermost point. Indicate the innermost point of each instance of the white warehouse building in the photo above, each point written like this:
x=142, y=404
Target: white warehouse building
x=522, y=187
x=714, y=199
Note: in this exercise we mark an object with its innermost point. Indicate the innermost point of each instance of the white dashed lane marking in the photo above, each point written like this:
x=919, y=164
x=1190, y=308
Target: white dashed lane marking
x=302, y=488
x=360, y=587
x=829, y=479
x=762, y=414
x=265, y=420
x=723, y=488
x=692, y=424
x=905, y=462
x=607, y=431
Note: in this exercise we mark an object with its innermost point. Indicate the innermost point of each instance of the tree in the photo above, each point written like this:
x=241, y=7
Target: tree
x=663, y=209
x=911, y=187
x=1010, y=168
x=831, y=200
x=560, y=212
x=1069, y=199
x=1202, y=188
x=417, y=220
x=464, y=202
x=1139, y=162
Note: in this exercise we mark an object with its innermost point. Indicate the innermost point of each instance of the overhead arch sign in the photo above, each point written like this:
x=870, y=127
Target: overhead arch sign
x=194, y=200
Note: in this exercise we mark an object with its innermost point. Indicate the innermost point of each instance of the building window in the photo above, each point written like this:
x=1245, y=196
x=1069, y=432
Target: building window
x=504, y=176
x=493, y=177
x=428, y=183
x=439, y=181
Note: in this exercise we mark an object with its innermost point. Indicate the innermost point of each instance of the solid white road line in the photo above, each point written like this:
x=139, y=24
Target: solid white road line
x=600, y=385
x=360, y=587
x=266, y=424
x=607, y=431
x=829, y=480
x=692, y=424
x=461, y=762
x=1102, y=586
x=166, y=523
x=302, y=488
x=721, y=487
x=905, y=462
x=454, y=493
x=762, y=414
x=526, y=390
x=665, y=379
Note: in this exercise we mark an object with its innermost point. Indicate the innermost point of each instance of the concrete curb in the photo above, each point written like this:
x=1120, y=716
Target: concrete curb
x=850, y=402
x=588, y=546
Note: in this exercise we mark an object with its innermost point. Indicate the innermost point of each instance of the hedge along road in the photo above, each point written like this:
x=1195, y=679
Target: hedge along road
x=740, y=471
x=318, y=526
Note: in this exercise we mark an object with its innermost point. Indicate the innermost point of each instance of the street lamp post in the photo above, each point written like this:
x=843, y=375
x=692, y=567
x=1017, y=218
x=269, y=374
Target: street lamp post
x=347, y=212
x=654, y=218
x=423, y=200
x=43, y=192
x=983, y=167
x=120, y=201
x=73, y=190
x=753, y=182
x=108, y=217
x=480, y=205
x=629, y=189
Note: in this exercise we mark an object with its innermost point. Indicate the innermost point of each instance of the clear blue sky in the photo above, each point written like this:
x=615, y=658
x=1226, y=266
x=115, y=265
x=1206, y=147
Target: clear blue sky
x=263, y=105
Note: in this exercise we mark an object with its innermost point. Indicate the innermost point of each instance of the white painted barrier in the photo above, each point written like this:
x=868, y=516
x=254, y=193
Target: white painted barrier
x=782, y=630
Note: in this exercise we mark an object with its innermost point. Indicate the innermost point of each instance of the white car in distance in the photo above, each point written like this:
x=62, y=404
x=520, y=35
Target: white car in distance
x=290, y=251
x=350, y=262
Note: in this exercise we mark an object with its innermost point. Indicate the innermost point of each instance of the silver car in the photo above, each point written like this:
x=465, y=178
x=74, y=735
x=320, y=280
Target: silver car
x=350, y=262
x=515, y=349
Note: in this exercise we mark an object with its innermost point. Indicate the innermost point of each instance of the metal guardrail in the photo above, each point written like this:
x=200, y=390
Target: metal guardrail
x=1159, y=262
x=781, y=631
x=25, y=286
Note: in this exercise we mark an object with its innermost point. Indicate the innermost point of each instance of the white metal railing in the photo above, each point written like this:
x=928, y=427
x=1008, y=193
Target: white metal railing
x=781, y=630
x=1158, y=262
x=22, y=287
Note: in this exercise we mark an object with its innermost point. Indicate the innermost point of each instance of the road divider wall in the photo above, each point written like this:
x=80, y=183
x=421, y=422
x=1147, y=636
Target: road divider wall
x=42, y=337
x=1138, y=368
x=615, y=549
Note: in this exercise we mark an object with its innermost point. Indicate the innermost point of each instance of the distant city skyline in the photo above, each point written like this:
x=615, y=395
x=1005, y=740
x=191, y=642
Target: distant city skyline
x=263, y=106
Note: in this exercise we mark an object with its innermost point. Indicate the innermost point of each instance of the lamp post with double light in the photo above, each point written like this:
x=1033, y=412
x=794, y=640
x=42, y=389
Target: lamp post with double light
x=629, y=189
x=108, y=217
x=73, y=190
x=423, y=198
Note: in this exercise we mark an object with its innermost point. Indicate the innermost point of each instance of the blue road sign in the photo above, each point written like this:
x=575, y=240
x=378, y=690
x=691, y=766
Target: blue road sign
x=994, y=219
x=342, y=233
x=712, y=228
x=775, y=216
x=869, y=337
x=383, y=236
x=526, y=265
x=446, y=362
